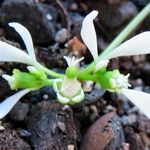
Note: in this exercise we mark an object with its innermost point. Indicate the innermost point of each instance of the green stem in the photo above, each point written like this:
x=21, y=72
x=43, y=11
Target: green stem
x=86, y=77
x=122, y=36
x=49, y=72
x=49, y=82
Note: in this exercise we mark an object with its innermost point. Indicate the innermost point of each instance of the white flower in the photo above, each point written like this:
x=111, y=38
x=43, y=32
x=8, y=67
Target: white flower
x=72, y=61
x=137, y=45
x=119, y=82
x=9, y=53
x=69, y=91
x=9, y=102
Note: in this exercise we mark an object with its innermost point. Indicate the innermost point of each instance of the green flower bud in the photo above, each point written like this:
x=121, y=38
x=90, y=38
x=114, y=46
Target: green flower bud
x=113, y=81
x=23, y=80
x=71, y=72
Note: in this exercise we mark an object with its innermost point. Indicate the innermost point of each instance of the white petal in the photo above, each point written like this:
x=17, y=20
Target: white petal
x=10, y=53
x=72, y=61
x=10, y=79
x=101, y=64
x=32, y=69
x=9, y=102
x=26, y=36
x=140, y=99
x=139, y=44
x=88, y=33
x=78, y=98
x=62, y=100
x=55, y=84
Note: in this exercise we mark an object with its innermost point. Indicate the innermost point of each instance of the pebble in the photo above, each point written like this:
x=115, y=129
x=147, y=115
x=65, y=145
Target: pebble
x=128, y=120
x=146, y=73
x=41, y=22
x=133, y=139
x=71, y=147
x=93, y=96
x=51, y=127
x=61, y=35
x=19, y=111
x=2, y=128
x=127, y=10
x=106, y=133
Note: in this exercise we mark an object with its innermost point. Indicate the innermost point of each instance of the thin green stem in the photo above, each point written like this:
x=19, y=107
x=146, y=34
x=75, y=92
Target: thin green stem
x=49, y=72
x=122, y=36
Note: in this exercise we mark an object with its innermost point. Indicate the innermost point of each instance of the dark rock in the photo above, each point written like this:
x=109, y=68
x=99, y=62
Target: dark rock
x=127, y=10
x=10, y=140
x=19, y=111
x=38, y=18
x=52, y=56
x=51, y=127
x=106, y=133
x=133, y=139
x=120, y=13
x=140, y=3
x=5, y=88
x=117, y=12
x=143, y=124
x=146, y=73
x=24, y=133
x=93, y=96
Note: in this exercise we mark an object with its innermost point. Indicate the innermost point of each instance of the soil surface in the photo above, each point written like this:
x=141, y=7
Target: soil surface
x=104, y=121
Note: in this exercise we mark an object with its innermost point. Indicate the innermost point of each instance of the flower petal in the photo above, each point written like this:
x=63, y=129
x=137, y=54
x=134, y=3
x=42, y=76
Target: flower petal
x=72, y=61
x=56, y=83
x=139, y=44
x=78, y=98
x=26, y=36
x=9, y=102
x=10, y=53
x=140, y=99
x=88, y=33
x=62, y=100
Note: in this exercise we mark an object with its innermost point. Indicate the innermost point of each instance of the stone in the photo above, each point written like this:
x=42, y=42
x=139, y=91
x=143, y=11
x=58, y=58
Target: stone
x=19, y=111
x=61, y=35
x=32, y=15
x=133, y=139
x=51, y=127
x=106, y=133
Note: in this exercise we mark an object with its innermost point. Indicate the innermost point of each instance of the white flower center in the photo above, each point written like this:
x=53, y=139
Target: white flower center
x=70, y=87
x=120, y=81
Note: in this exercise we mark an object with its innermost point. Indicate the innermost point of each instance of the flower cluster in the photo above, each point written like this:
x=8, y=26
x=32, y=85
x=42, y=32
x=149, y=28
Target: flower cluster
x=112, y=80
x=68, y=87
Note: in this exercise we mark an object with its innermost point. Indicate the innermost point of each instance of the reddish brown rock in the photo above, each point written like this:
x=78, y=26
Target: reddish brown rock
x=106, y=133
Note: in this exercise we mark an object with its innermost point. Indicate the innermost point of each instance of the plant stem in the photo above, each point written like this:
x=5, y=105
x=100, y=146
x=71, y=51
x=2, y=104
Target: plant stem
x=122, y=36
x=49, y=82
x=86, y=77
x=48, y=71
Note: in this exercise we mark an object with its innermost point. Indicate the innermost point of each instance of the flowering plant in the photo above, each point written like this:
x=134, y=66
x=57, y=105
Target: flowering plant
x=68, y=86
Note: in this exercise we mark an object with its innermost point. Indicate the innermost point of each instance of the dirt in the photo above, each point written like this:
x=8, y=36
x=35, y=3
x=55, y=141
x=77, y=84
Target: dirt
x=104, y=121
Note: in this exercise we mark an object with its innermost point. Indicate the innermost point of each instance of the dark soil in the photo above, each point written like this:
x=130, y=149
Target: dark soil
x=104, y=121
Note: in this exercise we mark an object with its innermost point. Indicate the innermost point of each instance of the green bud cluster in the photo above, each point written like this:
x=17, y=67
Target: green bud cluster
x=31, y=80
